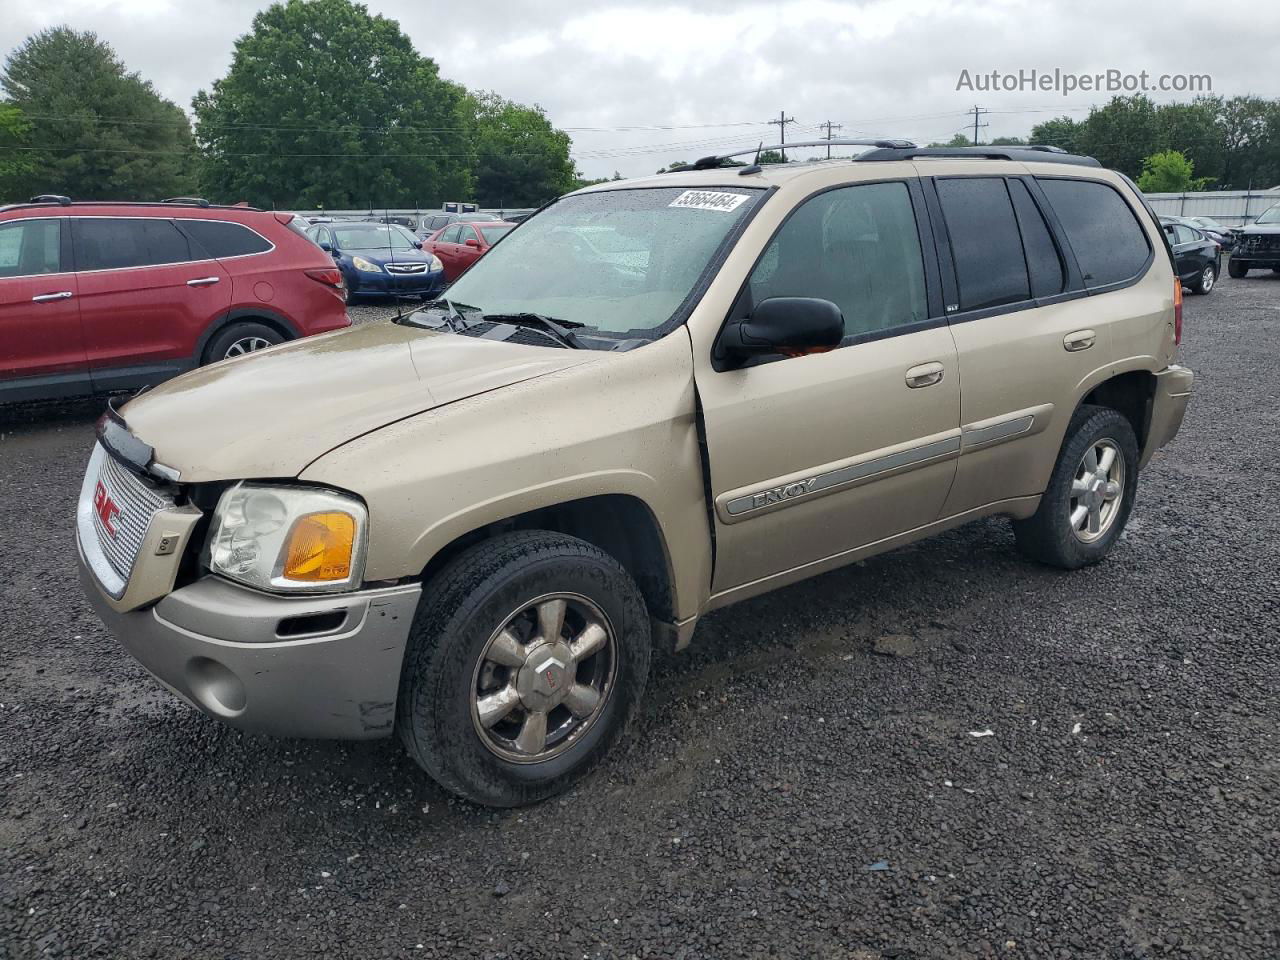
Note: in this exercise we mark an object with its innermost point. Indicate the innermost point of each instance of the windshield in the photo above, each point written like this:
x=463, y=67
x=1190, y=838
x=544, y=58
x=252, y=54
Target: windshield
x=1270, y=216
x=617, y=261
x=495, y=233
x=373, y=236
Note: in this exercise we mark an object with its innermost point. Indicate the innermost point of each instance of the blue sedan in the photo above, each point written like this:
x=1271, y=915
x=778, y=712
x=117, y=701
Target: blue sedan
x=379, y=259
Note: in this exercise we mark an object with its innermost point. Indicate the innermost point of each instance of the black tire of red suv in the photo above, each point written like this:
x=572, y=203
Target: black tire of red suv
x=1237, y=268
x=462, y=610
x=1047, y=536
x=252, y=335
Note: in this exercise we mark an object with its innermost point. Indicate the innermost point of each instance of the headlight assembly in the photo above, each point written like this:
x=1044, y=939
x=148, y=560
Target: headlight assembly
x=365, y=266
x=436, y=263
x=289, y=539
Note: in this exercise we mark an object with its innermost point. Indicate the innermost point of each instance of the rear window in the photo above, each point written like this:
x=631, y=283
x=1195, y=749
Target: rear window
x=985, y=243
x=113, y=243
x=221, y=239
x=1109, y=243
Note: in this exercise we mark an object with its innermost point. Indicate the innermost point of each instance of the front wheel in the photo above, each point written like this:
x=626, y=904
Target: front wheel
x=1208, y=276
x=1090, y=492
x=527, y=659
x=1236, y=268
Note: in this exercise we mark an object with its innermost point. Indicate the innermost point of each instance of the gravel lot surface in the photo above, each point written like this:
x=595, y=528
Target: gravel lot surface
x=804, y=783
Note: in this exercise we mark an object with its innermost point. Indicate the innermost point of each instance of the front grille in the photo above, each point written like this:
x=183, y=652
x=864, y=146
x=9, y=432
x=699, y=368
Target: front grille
x=109, y=485
x=1260, y=243
x=406, y=268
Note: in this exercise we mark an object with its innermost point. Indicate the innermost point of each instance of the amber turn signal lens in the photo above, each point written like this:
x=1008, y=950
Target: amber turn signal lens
x=320, y=547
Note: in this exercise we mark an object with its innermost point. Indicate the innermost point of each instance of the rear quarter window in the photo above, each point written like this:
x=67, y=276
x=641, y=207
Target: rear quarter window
x=221, y=239
x=1109, y=243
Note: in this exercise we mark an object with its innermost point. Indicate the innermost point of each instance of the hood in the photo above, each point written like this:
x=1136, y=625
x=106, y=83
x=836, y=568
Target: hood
x=389, y=256
x=270, y=414
x=1254, y=229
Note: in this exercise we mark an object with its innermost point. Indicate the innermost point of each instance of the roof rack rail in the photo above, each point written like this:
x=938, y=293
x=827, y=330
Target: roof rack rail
x=187, y=201
x=57, y=198
x=710, y=163
x=1035, y=153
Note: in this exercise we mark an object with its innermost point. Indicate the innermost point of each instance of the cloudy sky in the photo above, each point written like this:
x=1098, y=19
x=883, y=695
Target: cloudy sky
x=705, y=77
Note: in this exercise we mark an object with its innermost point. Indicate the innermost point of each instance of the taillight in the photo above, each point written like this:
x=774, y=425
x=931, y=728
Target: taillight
x=332, y=277
x=1177, y=311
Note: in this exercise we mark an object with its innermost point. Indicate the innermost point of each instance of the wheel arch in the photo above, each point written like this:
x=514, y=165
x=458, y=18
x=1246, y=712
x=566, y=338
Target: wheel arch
x=1130, y=392
x=622, y=525
x=255, y=314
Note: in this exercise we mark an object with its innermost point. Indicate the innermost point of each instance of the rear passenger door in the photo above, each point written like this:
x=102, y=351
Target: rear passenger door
x=144, y=299
x=1028, y=330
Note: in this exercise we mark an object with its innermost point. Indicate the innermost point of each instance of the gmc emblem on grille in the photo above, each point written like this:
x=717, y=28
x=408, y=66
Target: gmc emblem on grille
x=106, y=508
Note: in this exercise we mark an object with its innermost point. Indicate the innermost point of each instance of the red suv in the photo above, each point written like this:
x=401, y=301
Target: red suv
x=98, y=297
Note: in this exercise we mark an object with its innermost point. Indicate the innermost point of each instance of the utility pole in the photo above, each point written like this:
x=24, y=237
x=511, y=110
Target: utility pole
x=782, y=122
x=830, y=126
x=977, y=112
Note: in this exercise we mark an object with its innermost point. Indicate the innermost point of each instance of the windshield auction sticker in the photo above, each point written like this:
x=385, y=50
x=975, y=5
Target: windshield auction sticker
x=708, y=200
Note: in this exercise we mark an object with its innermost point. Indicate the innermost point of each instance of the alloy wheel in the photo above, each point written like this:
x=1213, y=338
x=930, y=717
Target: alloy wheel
x=245, y=345
x=1097, y=491
x=543, y=678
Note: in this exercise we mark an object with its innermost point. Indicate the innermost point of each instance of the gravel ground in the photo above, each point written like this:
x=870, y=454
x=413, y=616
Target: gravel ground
x=804, y=783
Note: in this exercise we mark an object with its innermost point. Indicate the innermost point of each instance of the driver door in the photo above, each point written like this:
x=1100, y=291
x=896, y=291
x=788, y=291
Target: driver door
x=813, y=456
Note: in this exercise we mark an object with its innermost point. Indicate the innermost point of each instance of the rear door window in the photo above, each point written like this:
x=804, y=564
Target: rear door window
x=986, y=246
x=1044, y=264
x=1109, y=243
x=29, y=248
x=221, y=239
x=114, y=243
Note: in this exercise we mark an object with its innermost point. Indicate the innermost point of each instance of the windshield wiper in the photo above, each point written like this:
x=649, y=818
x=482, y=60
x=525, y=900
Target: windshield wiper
x=453, y=317
x=560, y=330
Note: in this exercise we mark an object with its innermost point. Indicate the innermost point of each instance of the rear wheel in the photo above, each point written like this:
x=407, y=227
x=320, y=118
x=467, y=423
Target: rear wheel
x=1208, y=276
x=1090, y=493
x=527, y=659
x=1236, y=268
x=239, y=339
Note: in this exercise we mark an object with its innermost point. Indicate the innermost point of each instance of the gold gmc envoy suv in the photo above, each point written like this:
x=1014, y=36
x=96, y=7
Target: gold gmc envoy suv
x=468, y=525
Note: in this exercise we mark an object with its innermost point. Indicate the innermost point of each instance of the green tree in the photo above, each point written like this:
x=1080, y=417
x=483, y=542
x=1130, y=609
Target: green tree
x=1121, y=134
x=1244, y=122
x=1194, y=130
x=520, y=159
x=959, y=140
x=16, y=162
x=770, y=156
x=1008, y=142
x=326, y=105
x=1059, y=132
x=1169, y=171
x=101, y=131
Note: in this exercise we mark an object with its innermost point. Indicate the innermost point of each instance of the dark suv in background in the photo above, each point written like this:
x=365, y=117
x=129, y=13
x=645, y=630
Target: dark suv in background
x=1257, y=245
x=98, y=297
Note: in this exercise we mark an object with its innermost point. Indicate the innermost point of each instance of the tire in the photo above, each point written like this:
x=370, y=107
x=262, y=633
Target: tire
x=1049, y=535
x=446, y=675
x=1236, y=268
x=1204, y=283
x=243, y=336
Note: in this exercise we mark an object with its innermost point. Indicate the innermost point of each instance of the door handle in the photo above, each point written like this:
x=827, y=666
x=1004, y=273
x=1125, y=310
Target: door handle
x=1080, y=340
x=925, y=375
x=202, y=281
x=47, y=297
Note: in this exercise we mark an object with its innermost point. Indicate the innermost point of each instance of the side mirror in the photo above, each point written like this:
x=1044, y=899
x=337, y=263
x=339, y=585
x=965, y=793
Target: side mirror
x=418, y=244
x=324, y=245
x=472, y=242
x=781, y=324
